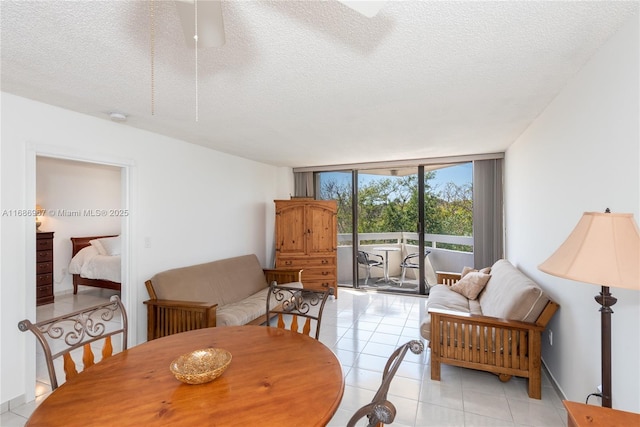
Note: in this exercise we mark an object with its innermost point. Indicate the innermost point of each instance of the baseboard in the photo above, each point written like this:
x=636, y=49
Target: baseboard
x=13, y=403
x=554, y=382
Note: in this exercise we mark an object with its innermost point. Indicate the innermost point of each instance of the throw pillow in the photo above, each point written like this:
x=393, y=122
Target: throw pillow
x=471, y=284
x=467, y=270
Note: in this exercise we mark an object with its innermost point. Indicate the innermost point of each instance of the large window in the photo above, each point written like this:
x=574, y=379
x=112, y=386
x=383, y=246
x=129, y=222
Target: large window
x=391, y=210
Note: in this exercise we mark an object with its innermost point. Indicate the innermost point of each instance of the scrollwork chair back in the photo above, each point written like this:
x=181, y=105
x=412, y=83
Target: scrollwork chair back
x=63, y=334
x=380, y=411
x=292, y=302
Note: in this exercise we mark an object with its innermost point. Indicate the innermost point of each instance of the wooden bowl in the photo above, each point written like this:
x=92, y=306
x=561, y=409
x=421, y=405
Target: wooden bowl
x=201, y=366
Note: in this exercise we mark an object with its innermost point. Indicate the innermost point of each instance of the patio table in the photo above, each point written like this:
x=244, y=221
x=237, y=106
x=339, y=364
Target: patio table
x=386, y=250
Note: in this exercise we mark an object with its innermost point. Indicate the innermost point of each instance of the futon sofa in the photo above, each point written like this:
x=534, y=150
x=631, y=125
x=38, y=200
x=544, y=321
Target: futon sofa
x=490, y=320
x=226, y=292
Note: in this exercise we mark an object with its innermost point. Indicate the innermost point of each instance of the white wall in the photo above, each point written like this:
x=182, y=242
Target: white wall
x=581, y=154
x=65, y=188
x=189, y=203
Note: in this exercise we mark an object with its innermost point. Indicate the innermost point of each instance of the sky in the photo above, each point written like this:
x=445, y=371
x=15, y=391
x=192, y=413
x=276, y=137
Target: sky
x=458, y=174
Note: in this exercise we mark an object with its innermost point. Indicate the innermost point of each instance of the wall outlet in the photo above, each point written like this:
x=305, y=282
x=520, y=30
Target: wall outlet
x=599, y=388
x=550, y=337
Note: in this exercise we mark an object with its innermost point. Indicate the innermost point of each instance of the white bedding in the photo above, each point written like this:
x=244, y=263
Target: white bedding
x=88, y=263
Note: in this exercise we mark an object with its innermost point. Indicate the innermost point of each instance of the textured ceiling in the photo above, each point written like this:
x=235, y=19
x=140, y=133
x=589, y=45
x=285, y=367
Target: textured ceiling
x=311, y=83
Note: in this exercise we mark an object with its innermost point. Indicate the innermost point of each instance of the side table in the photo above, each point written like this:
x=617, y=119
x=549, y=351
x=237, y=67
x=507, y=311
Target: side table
x=581, y=415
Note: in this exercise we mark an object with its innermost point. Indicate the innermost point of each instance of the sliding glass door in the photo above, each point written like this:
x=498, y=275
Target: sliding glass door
x=387, y=218
x=397, y=226
x=338, y=186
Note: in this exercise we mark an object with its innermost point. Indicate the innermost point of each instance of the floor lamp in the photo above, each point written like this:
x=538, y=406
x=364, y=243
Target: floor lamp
x=603, y=249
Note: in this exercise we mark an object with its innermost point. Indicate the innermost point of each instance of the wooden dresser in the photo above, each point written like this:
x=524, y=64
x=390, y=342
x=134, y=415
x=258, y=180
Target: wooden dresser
x=307, y=238
x=582, y=415
x=44, y=267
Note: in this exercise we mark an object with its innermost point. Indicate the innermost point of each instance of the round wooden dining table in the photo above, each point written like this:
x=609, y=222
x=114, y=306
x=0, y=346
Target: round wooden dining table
x=276, y=378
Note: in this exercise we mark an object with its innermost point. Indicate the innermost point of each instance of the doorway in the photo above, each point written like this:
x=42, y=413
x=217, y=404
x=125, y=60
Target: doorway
x=43, y=157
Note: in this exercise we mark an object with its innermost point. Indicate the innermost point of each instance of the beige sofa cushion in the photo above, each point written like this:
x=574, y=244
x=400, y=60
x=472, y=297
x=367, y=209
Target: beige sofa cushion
x=223, y=282
x=510, y=294
x=248, y=309
x=442, y=297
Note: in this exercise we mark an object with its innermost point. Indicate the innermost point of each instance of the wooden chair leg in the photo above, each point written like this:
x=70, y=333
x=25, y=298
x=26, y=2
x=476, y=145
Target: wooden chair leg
x=535, y=387
x=535, y=379
x=435, y=369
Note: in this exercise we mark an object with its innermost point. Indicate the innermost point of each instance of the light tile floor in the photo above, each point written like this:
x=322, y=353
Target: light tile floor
x=363, y=329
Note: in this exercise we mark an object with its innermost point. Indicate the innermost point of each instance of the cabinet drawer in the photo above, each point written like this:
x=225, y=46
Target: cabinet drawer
x=320, y=284
x=305, y=262
x=319, y=274
x=44, y=244
x=44, y=291
x=44, y=267
x=44, y=279
x=44, y=256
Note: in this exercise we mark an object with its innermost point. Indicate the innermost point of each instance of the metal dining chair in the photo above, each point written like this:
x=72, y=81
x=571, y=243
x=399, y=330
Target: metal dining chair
x=60, y=336
x=410, y=261
x=291, y=303
x=365, y=259
x=380, y=411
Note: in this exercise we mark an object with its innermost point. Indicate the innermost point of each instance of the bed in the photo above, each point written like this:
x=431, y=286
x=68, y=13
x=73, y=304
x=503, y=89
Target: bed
x=90, y=268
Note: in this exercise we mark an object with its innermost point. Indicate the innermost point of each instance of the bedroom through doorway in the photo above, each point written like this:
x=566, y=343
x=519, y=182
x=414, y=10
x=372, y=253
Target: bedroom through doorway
x=79, y=202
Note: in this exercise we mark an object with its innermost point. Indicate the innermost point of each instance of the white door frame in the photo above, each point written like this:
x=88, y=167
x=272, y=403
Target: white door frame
x=127, y=230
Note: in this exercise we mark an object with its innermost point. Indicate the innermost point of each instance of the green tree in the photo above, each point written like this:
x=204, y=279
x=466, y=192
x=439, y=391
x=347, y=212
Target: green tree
x=391, y=204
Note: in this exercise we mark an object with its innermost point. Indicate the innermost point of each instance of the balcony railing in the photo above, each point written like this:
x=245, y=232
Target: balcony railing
x=439, y=259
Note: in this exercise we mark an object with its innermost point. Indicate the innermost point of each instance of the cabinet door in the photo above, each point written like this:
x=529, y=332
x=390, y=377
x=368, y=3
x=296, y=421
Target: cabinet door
x=290, y=229
x=322, y=235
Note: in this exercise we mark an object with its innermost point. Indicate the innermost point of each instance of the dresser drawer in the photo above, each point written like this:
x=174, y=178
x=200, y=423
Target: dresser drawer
x=44, y=244
x=44, y=267
x=44, y=292
x=320, y=285
x=44, y=279
x=319, y=274
x=319, y=278
x=44, y=256
x=305, y=262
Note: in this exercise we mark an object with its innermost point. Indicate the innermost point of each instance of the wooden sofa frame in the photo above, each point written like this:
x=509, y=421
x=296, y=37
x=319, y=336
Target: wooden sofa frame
x=504, y=347
x=167, y=317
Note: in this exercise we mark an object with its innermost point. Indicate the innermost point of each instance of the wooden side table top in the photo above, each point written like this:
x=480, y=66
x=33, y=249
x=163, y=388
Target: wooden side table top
x=276, y=377
x=581, y=415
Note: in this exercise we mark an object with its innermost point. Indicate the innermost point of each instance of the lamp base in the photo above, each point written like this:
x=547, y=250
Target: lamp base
x=606, y=300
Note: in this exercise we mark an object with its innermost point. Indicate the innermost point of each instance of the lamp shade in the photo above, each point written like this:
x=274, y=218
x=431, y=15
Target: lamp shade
x=603, y=249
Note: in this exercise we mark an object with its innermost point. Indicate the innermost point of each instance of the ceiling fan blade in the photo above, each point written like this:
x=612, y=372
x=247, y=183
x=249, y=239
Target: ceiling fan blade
x=210, y=25
x=368, y=8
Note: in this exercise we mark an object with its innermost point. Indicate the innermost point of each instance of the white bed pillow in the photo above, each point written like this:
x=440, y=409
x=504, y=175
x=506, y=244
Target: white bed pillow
x=83, y=255
x=107, y=245
x=98, y=246
x=111, y=245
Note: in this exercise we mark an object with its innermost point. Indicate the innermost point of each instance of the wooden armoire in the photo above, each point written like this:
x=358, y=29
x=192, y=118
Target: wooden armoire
x=307, y=238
